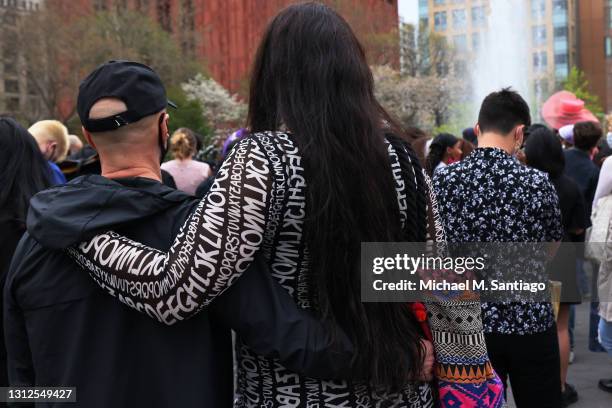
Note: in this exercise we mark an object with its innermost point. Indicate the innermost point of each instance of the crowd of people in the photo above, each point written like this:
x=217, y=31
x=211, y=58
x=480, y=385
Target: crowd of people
x=124, y=274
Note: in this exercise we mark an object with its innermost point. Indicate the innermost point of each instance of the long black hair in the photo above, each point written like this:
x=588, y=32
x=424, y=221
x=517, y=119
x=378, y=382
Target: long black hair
x=23, y=169
x=311, y=76
x=544, y=152
x=437, y=150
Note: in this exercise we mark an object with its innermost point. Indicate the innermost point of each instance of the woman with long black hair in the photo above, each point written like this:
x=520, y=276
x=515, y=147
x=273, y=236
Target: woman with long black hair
x=543, y=151
x=319, y=173
x=23, y=173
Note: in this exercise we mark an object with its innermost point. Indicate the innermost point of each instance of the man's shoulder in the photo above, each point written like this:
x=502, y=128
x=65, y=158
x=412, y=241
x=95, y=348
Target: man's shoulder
x=443, y=173
x=40, y=277
x=536, y=180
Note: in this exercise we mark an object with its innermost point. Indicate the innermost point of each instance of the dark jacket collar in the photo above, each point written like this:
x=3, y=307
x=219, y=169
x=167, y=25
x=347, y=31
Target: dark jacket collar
x=66, y=215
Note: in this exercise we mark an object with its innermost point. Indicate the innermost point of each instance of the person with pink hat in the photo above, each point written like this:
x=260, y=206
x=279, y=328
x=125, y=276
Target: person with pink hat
x=564, y=108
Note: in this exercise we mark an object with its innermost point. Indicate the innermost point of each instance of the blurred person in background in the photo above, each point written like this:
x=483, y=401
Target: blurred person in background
x=566, y=135
x=466, y=148
x=52, y=139
x=23, y=173
x=186, y=172
x=470, y=136
x=228, y=145
x=579, y=166
x=604, y=284
x=544, y=152
x=445, y=149
x=604, y=184
x=605, y=145
x=75, y=144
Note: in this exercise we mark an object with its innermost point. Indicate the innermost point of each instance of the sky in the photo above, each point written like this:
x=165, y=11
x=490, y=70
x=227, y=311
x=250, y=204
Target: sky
x=409, y=10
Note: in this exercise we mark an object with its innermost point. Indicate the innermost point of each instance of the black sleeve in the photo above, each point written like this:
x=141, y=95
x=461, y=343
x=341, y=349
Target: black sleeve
x=266, y=318
x=578, y=216
x=216, y=244
x=19, y=358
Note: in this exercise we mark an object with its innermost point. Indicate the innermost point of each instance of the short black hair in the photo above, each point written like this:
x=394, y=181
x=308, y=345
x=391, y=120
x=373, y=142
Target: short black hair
x=502, y=111
x=586, y=135
x=543, y=151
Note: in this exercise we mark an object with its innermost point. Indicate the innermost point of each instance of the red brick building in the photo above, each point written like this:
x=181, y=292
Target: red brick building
x=225, y=33
x=595, y=47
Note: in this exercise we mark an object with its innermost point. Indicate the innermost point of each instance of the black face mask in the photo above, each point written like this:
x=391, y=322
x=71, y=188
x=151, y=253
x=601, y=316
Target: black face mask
x=163, y=147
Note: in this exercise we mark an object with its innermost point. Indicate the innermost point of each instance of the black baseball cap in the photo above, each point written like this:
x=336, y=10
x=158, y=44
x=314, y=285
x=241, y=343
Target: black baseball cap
x=137, y=85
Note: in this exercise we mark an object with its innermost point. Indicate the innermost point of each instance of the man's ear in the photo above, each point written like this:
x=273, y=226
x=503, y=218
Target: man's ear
x=89, y=138
x=520, y=134
x=477, y=130
x=165, y=128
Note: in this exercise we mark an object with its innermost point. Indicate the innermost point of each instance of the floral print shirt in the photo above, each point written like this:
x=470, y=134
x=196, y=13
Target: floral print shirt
x=491, y=197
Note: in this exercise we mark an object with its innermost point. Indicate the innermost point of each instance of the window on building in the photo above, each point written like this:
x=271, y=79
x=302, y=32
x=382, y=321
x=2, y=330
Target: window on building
x=560, y=59
x=460, y=42
x=440, y=21
x=164, y=14
x=142, y=5
x=459, y=19
x=8, y=18
x=608, y=47
x=538, y=9
x=11, y=86
x=12, y=104
x=439, y=2
x=559, y=5
x=540, y=88
x=460, y=68
x=478, y=16
x=561, y=71
x=100, y=5
x=540, y=61
x=10, y=67
x=31, y=87
x=423, y=9
x=476, y=41
x=560, y=31
x=609, y=13
x=442, y=69
x=539, y=35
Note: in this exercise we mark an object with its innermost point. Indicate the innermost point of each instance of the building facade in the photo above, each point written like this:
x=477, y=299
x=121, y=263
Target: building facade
x=595, y=47
x=16, y=93
x=552, y=25
x=222, y=33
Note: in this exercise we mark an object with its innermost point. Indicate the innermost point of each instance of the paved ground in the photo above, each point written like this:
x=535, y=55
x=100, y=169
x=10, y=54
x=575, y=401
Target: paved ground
x=588, y=367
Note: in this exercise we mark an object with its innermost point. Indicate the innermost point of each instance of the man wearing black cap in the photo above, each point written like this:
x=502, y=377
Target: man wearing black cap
x=62, y=330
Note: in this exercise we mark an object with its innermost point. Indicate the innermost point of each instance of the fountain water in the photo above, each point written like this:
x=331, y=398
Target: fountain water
x=503, y=58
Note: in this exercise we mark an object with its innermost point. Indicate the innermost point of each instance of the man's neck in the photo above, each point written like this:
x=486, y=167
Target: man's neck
x=496, y=140
x=132, y=171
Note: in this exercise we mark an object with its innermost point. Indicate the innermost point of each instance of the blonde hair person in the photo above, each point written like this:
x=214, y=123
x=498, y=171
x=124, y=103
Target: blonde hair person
x=187, y=173
x=52, y=139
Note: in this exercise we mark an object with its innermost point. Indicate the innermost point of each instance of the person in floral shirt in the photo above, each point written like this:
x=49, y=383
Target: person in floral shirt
x=491, y=197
